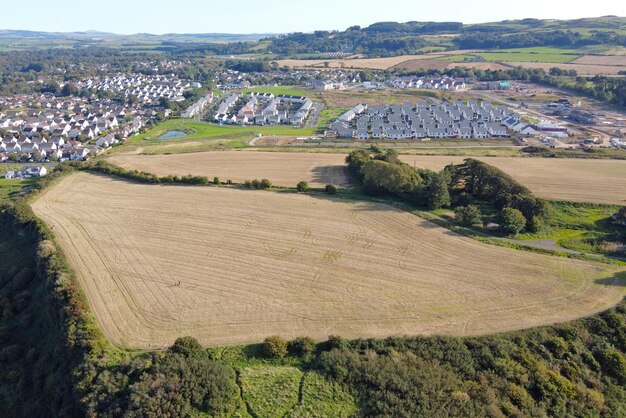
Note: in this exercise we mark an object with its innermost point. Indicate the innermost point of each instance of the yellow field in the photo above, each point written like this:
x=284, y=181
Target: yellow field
x=371, y=63
x=284, y=169
x=232, y=266
x=581, y=69
x=579, y=180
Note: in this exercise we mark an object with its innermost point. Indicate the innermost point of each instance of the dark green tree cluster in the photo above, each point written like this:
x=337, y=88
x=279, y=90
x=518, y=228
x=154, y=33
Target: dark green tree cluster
x=383, y=173
x=182, y=382
x=277, y=347
x=490, y=184
x=576, y=369
x=258, y=184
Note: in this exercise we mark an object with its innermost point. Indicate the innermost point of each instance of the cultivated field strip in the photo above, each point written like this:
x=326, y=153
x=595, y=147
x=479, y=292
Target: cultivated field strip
x=231, y=266
x=283, y=169
x=569, y=179
x=595, y=181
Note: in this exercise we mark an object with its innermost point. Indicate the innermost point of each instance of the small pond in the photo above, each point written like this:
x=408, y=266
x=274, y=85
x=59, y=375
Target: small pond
x=172, y=134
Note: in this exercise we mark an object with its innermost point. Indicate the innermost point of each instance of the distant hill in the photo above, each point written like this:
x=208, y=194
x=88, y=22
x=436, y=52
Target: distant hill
x=107, y=38
x=376, y=40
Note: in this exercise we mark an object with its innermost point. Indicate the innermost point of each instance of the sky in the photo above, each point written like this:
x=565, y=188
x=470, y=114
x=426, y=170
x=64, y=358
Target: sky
x=278, y=16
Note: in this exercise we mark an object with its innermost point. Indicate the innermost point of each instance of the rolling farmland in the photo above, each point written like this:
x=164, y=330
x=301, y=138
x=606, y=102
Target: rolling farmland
x=283, y=169
x=232, y=266
x=577, y=180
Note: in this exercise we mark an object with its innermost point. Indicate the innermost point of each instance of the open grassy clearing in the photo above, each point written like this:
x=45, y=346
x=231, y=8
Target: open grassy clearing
x=204, y=130
x=321, y=399
x=270, y=391
x=202, y=136
x=582, y=227
x=578, y=180
x=9, y=187
x=233, y=266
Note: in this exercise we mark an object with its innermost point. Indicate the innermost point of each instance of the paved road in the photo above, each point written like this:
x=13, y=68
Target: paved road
x=315, y=115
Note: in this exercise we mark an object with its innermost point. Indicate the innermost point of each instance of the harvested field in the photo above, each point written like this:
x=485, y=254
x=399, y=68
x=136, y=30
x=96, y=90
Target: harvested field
x=581, y=69
x=577, y=180
x=413, y=65
x=232, y=266
x=619, y=60
x=372, y=63
x=284, y=169
x=480, y=65
x=574, y=180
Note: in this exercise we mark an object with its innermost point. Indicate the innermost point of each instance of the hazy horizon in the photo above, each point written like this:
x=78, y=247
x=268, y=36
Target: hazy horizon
x=277, y=16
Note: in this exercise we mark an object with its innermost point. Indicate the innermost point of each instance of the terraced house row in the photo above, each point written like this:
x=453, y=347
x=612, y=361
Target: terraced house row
x=423, y=121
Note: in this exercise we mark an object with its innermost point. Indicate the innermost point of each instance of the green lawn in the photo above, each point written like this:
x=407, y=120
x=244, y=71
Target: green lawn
x=203, y=136
x=288, y=90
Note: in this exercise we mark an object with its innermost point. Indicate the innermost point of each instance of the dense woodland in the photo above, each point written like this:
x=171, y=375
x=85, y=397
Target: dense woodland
x=390, y=38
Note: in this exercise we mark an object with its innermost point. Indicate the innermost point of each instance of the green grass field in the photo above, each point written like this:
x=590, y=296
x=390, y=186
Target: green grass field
x=321, y=398
x=580, y=227
x=12, y=186
x=273, y=391
x=203, y=136
x=288, y=90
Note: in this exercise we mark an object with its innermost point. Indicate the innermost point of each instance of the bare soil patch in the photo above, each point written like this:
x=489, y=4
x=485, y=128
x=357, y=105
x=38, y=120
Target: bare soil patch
x=231, y=266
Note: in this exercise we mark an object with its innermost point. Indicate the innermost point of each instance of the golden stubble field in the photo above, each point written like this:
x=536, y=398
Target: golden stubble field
x=579, y=180
x=232, y=266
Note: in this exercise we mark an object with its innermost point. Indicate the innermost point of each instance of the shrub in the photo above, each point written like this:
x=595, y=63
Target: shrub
x=255, y=183
x=335, y=341
x=216, y=181
x=614, y=364
x=187, y=346
x=302, y=187
x=512, y=221
x=265, y=184
x=467, y=215
x=302, y=346
x=330, y=189
x=275, y=347
x=247, y=184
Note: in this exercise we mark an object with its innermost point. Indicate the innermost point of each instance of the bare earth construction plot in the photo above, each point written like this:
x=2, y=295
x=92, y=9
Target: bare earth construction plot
x=230, y=266
x=594, y=181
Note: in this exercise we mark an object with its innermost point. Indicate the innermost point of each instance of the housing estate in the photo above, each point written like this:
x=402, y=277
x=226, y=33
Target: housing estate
x=424, y=121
